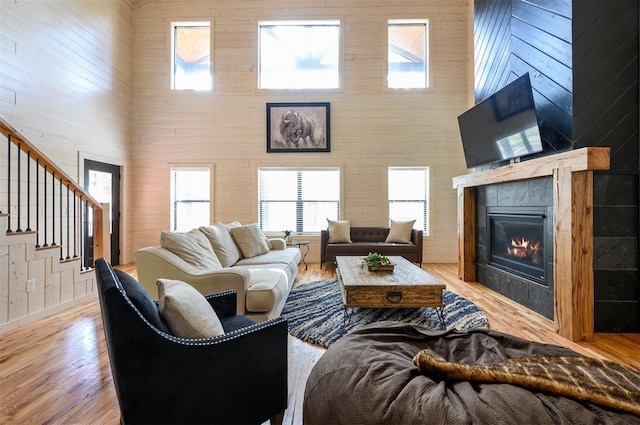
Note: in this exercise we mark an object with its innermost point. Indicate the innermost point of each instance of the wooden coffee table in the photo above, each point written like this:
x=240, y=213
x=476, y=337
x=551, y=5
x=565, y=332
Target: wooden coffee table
x=407, y=286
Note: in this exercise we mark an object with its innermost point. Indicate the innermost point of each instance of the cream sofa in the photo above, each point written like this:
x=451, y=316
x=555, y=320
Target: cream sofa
x=221, y=257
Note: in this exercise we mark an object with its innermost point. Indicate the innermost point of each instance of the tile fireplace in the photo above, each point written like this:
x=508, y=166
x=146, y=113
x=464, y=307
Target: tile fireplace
x=517, y=241
x=569, y=275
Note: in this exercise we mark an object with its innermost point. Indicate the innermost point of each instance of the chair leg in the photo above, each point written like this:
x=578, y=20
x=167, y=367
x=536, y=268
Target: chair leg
x=277, y=418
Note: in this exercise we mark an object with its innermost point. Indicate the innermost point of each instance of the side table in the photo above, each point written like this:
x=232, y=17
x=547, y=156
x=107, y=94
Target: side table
x=301, y=244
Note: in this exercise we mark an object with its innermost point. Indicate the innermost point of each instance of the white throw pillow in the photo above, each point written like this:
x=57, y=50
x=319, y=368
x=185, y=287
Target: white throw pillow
x=193, y=247
x=250, y=239
x=339, y=231
x=400, y=231
x=222, y=243
x=187, y=311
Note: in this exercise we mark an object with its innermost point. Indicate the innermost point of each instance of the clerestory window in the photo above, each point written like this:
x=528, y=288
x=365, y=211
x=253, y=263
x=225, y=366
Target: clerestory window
x=408, y=64
x=191, y=56
x=299, y=55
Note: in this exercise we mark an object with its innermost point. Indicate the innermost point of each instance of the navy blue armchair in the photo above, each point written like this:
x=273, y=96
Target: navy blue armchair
x=236, y=378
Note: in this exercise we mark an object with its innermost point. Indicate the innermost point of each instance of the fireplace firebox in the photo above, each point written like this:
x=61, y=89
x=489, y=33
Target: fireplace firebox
x=517, y=241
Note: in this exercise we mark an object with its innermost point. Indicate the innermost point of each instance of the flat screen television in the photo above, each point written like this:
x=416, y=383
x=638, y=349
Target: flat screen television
x=503, y=126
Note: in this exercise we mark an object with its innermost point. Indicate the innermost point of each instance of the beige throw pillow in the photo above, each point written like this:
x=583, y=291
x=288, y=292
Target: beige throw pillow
x=193, y=247
x=222, y=243
x=186, y=311
x=339, y=231
x=250, y=239
x=400, y=231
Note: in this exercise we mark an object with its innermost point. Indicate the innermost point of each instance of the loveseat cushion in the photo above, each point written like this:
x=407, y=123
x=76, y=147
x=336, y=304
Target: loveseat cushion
x=266, y=288
x=400, y=231
x=193, y=247
x=250, y=239
x=222, y=242
x=339, y=231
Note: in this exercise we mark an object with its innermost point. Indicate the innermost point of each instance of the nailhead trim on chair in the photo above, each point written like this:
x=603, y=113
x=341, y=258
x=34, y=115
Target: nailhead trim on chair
x=202, y=341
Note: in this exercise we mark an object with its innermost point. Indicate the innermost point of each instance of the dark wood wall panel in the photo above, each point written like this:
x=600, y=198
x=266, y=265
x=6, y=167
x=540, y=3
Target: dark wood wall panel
x=605, y=67
x=492, y=25
x=582, y=57
x=535, y=37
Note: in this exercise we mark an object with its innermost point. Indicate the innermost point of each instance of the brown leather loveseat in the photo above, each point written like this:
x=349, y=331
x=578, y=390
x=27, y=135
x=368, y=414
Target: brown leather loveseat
x=370, y=239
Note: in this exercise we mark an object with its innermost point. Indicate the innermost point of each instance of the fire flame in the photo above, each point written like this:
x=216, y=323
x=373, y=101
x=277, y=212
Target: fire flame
x=523, y=248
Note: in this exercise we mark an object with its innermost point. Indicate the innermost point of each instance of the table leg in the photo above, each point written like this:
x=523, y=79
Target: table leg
x=306, y=266
x=440, y=312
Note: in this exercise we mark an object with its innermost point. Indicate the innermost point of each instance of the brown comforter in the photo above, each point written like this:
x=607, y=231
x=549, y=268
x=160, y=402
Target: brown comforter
x=368, y=377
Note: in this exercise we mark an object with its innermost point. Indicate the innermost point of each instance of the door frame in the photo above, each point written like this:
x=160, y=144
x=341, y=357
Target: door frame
x=116, y=177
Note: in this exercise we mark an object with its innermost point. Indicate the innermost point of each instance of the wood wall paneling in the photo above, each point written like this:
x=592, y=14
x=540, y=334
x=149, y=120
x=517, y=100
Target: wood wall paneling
x=371, y=127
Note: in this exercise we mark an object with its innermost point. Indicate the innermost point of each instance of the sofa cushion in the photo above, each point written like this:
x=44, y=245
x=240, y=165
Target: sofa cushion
x=266, y=288
x=284, y=256
x=339, y=231
x=141, y=300
x=230, y=226
x=222, y=242
x=400, y=231
x=250, y=239
x=193, y=247
x=187, y=311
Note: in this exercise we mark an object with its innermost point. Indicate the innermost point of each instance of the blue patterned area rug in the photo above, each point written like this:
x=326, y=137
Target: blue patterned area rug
x=315, y=313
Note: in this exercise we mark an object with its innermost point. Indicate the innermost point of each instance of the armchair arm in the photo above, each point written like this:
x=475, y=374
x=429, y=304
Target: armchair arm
x=244, y=373
x=223, y=303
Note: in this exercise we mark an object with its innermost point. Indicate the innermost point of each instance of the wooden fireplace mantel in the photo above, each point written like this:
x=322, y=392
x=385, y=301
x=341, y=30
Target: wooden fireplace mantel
x=572, y=174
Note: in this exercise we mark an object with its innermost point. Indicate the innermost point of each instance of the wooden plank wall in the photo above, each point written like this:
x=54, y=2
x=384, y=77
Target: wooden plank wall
x=371, y=127
x=65, y=83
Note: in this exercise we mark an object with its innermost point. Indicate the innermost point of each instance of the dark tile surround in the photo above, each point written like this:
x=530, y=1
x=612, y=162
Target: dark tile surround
x=616, y=248
x=531, y=193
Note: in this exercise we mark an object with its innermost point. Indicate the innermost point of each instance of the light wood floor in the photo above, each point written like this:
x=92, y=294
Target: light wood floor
x=56, y=370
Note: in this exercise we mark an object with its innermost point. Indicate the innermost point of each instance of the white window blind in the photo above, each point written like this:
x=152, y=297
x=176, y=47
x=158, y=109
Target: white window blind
x=408, y=192
x=190, y=198
x=298, y=199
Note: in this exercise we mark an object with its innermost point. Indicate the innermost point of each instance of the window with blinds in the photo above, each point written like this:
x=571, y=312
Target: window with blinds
x=190, y=197
x=298, y=199
x=408, y=193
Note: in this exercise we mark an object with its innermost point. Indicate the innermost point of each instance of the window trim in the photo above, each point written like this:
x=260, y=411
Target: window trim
x=340, y=171
x=427, y=82
x=172, y=52
x=187, y=167
x=299, y=22
x=427, y=224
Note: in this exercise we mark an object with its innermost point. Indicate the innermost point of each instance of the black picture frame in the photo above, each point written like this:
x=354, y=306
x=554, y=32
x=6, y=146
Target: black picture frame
x=298, y=127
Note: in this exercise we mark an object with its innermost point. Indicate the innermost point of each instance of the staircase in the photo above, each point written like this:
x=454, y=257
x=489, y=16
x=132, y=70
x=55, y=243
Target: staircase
x=51, y=230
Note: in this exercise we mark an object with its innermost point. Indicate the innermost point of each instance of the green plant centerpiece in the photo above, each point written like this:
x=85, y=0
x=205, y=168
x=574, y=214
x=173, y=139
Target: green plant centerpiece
x=287, y=235
x=376, y=262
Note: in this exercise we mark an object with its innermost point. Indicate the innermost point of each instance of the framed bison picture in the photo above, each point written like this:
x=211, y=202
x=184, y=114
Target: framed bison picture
x=298, y=127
